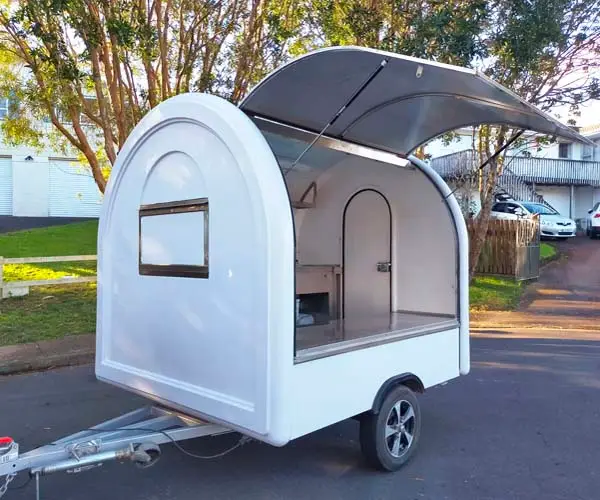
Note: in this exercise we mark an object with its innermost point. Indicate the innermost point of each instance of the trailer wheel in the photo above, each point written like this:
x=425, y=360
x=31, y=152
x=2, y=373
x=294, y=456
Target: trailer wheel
x=389, y=438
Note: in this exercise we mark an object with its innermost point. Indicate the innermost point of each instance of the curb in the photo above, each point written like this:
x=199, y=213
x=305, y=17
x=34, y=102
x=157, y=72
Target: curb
x=44, y=355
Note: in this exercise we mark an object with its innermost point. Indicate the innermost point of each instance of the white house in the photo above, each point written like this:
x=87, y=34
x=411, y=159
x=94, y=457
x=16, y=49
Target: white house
x=44, y=183
x=565, y=175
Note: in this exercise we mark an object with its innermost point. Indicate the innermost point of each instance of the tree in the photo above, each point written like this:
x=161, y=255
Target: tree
x=546, y=51
x=442, y=31
x=93, y=68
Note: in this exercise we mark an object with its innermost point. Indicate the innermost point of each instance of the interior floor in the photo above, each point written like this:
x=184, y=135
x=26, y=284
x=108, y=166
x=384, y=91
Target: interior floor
x=359, y=331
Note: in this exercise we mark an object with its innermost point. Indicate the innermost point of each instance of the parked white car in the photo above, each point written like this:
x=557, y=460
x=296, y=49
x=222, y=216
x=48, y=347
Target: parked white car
x=552, y=224
x=593, y=222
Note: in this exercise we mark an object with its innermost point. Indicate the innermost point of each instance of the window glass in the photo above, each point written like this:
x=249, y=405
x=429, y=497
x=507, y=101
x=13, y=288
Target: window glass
x=564, y=149
x=511, y=208
x=538, y=208
x=174, y=239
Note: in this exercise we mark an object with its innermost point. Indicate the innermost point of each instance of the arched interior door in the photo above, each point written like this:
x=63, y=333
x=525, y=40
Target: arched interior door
x=367, y=255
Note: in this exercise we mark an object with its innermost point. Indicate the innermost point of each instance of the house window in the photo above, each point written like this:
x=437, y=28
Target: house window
x=564, y=150
x=3, y=108
x=588, y=153
x=174, y=239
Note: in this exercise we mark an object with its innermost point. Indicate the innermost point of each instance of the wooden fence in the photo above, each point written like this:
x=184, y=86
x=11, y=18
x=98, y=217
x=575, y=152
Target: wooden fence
x=511, y=248
x=7, y=286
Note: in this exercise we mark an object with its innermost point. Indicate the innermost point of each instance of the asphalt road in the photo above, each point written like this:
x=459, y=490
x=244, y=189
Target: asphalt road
x=522, y=425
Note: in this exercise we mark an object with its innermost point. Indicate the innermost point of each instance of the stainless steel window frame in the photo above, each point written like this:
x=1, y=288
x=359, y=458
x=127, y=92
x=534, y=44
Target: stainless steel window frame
x=175, y=270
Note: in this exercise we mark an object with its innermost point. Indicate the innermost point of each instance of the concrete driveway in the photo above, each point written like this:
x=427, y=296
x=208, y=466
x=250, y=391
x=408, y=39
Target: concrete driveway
x=570, y=286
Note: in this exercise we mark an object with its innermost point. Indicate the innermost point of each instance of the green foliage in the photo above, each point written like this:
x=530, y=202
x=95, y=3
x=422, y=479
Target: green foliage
x=547, y=51
x=93, y=68
x=442, y=31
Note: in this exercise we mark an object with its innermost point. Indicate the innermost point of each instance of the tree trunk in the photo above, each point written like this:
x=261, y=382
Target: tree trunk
x=487, y=190
x=479, y=235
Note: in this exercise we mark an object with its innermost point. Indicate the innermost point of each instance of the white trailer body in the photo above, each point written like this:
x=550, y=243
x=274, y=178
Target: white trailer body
x=281, y=266
x=277, y=267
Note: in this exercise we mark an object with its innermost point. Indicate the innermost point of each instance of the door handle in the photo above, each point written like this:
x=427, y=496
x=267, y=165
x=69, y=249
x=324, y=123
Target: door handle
x=384, y=267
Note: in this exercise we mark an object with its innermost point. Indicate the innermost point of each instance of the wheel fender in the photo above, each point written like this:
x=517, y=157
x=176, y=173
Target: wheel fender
x=410, y=380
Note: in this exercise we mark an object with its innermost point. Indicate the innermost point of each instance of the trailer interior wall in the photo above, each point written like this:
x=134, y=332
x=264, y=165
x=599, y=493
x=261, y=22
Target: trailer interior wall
x=364, y=212
x=423, y=236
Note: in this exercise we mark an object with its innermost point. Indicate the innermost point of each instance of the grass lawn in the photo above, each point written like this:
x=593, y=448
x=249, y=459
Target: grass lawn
x=547, y=251
x=494, y=294
x=54, y=311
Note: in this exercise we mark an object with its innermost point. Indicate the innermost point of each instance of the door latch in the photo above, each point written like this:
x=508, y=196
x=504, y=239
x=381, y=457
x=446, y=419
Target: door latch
x=384, y=267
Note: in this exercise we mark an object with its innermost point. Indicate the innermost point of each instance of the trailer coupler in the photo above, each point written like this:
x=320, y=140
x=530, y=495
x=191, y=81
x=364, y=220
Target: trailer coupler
x=143, y=455
x=135, y=436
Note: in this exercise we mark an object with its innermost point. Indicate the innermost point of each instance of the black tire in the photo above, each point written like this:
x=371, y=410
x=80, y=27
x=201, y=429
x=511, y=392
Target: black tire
x=392, y=452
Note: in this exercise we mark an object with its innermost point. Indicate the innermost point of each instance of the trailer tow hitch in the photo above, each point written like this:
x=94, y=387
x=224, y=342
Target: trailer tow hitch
x=84, y=456
x=135, y=436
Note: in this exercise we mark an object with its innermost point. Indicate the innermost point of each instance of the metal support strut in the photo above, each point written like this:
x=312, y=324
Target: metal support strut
x=352, y=98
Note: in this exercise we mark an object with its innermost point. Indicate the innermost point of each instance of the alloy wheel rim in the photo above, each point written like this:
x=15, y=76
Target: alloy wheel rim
x=400, y=428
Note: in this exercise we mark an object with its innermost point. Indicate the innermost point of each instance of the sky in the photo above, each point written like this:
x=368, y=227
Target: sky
x=590, y=115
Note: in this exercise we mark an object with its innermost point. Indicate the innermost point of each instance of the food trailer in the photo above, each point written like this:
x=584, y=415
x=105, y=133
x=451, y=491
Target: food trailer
x=279, y=266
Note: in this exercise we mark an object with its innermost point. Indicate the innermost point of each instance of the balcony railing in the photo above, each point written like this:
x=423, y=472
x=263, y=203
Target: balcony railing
x=465, y=163
x=529, y=169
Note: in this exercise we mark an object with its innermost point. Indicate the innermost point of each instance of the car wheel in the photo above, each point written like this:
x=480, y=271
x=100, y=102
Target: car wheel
x=389, y=438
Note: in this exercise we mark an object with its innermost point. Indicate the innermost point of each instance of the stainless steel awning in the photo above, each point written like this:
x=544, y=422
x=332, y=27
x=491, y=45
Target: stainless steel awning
x=404, y=101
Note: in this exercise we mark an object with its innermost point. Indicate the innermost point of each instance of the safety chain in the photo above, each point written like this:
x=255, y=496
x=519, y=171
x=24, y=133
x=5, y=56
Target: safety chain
x=4, y=487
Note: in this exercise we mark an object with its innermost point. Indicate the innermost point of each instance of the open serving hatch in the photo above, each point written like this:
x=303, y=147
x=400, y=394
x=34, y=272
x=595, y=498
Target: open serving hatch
x=388, y=101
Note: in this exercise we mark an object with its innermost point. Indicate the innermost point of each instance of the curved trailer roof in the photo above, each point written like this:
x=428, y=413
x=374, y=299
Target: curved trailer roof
x=387, y=101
